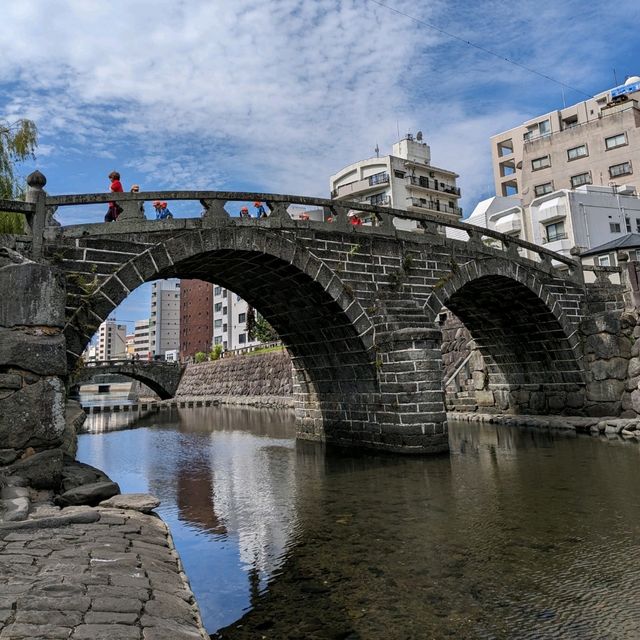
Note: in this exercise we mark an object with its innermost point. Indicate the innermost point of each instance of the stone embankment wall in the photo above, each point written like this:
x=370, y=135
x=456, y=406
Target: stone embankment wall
x=611, y=345
x=262, y=375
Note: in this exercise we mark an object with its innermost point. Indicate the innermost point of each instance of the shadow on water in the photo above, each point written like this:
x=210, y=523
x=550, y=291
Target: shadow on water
x=519, y=533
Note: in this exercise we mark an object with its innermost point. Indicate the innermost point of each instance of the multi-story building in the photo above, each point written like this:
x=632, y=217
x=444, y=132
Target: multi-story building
x=596, y=141
x=141, y=347
x=196, y=317
x=164, y=320
x=230, y=320
x=112, y=341
x=568, y=221
x=406, y=179
x=131, y=347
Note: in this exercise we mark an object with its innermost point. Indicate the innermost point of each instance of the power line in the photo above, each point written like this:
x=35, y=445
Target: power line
x=479, y=47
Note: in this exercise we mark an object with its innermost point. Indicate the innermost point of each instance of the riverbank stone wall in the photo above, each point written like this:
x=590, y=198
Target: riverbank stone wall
x=267, y=374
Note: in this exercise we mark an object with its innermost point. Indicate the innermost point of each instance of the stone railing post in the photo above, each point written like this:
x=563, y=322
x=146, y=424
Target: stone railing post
x=36, y=195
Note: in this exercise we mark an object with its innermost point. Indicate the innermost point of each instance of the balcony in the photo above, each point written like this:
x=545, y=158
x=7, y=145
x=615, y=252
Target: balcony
x=555, y=238
x=552, y=212
x=361, y=186
x=430, y=184
x=432, y=205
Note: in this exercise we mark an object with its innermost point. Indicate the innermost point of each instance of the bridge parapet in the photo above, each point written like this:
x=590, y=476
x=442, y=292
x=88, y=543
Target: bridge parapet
x=40, y=214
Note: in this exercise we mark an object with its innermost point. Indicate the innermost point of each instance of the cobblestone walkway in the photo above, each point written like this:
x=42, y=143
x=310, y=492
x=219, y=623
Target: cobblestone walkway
x=94, y=574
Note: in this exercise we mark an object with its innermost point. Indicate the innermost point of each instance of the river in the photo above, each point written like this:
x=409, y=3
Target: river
x=517, y=534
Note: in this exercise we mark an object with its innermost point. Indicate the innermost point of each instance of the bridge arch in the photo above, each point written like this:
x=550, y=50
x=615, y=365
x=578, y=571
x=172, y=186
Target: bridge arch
x=523, y=330
x=162, y=378
x=327, y=332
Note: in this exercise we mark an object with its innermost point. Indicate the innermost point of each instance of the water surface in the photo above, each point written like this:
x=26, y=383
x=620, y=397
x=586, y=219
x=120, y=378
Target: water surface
x=517, y=534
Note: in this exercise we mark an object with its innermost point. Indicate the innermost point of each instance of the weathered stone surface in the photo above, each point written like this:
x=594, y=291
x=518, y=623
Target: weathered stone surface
x=485, y=398
x=76, y=474
x=38, y=352
x=634, y=367
x=615, y=368
x=34, y=415
x=7, y=456
x=143, y=502
x=41, y=298
x=605, y=390
x=602, y=323
x=605, y=346
x=268, y=374
x=88, y=494
x=42, y=470
x=635, y=401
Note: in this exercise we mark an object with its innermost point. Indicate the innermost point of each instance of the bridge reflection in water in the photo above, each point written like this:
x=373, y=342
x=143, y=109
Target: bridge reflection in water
x=503, y=539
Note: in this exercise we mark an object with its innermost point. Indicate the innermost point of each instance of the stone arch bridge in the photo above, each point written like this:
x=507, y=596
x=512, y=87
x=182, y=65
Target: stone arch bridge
x=162, y=378
x=358, y=307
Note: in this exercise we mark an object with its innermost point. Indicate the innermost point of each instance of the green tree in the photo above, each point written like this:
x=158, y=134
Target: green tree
x=263, y=331
x=18, y=142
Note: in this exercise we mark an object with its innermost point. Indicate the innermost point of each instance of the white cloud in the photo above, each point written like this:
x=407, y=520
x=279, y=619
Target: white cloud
x=278, y=95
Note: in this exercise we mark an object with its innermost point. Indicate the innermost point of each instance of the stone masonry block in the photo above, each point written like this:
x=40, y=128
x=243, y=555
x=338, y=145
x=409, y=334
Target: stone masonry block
x=41, y=299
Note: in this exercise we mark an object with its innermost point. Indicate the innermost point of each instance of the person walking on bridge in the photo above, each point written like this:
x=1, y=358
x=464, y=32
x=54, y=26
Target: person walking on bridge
x=114, y=209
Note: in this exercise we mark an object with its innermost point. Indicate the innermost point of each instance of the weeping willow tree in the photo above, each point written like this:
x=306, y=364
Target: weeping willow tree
x=18, y=142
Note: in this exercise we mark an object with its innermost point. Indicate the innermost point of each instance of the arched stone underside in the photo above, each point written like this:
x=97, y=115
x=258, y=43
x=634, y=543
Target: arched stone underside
x=327, y=332
x=164, y=386
x=526, y=336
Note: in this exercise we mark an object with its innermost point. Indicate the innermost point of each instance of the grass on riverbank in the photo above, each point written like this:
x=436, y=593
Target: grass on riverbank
x=258, y=352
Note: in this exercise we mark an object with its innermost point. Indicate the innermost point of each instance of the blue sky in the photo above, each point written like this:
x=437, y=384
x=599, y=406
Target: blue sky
x=276, y=96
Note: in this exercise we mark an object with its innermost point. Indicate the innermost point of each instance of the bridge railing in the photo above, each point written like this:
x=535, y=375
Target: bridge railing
x=129, y=361
x=335, y=215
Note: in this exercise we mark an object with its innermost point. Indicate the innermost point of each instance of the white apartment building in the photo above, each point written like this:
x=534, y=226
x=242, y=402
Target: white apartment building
x=164, y=319
x=112, y=341
x=585, y=218
x=141, y=350
x=406, y=179
x=230, y=320
x=596, y=141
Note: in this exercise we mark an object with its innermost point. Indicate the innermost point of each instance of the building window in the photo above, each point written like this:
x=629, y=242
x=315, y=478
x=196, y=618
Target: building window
x=505, y=148
x=541, y=189
x=615, y=141
x=544, y=127
x=398, y=174
x=604, y=261
x=378, y=198
x=622, y=169
x=581, y=178
x=379, y=178
x=577, y=152
x=614, y=227
x=569, y=122
x=218, y=307
x=217, y=291
x=224, y=311
x=242, y=317
x=540, y=163
x=242, y=338
x=224, y=328
x=217, y=324
x=627, y=222
x=217, y=340
x=555, y=231
x=637, y=225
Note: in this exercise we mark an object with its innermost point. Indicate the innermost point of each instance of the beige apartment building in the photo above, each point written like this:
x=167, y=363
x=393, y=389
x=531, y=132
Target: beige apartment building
x=406, y=179
x=596, y=141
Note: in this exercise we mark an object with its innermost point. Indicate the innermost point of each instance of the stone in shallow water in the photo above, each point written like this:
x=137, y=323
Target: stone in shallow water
x=137, y=501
